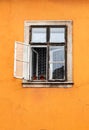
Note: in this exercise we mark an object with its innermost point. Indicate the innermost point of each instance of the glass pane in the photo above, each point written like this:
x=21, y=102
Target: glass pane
x=38, y=35
x=57, y=53
x=57, y=35
x=57, y=71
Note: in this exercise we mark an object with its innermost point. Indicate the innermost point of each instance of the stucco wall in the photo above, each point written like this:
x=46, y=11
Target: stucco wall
x=44, y=108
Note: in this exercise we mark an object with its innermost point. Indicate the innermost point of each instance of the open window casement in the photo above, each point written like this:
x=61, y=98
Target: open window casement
x=57, y=63
x=35, y=62
x=21, y=61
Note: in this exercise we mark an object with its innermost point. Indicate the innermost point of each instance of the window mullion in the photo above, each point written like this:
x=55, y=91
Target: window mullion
x=47, y=35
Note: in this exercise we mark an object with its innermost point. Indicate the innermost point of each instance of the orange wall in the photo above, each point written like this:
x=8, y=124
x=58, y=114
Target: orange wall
x=44, y=108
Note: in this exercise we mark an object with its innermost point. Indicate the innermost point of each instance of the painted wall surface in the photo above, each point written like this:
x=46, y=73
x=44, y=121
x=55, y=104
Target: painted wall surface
x=44, y=108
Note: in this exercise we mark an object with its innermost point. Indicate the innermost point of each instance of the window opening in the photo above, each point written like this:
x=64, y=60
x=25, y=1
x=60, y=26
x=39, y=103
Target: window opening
x=39, y=63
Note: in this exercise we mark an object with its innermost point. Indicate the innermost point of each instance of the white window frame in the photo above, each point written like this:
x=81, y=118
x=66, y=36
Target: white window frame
x=68, y=23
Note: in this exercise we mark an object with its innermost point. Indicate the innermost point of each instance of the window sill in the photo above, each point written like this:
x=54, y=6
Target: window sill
x=47, y=84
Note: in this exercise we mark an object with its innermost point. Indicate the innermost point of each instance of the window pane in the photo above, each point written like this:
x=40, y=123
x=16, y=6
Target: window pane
x=57, y=71
x=38, y=35
x=57, y=35
x=57, y=53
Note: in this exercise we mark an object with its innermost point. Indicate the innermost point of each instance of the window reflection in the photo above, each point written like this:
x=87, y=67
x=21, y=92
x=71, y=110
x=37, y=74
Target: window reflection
x=57, y=53
x=38, y=35
x=57, y=71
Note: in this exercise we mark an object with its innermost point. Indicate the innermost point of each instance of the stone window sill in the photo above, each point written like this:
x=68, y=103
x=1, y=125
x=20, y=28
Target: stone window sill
x=47, y=84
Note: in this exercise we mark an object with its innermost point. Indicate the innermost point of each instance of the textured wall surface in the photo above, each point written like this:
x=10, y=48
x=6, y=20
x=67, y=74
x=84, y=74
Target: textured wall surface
x=44, y=108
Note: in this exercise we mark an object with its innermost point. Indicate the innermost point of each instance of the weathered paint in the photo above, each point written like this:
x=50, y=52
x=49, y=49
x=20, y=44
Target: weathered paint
x=44, y=108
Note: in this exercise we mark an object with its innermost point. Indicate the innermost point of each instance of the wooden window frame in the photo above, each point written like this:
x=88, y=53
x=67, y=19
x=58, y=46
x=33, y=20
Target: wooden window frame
x=48, y=44
x=68, y=49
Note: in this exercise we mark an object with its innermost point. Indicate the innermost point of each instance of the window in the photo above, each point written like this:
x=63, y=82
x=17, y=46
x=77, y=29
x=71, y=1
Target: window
x=45, y=57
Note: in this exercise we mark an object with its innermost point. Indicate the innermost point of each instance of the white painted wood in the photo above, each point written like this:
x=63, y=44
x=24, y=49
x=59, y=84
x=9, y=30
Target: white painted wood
x=26, y=63
x=26, y=54
x=20, y=60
